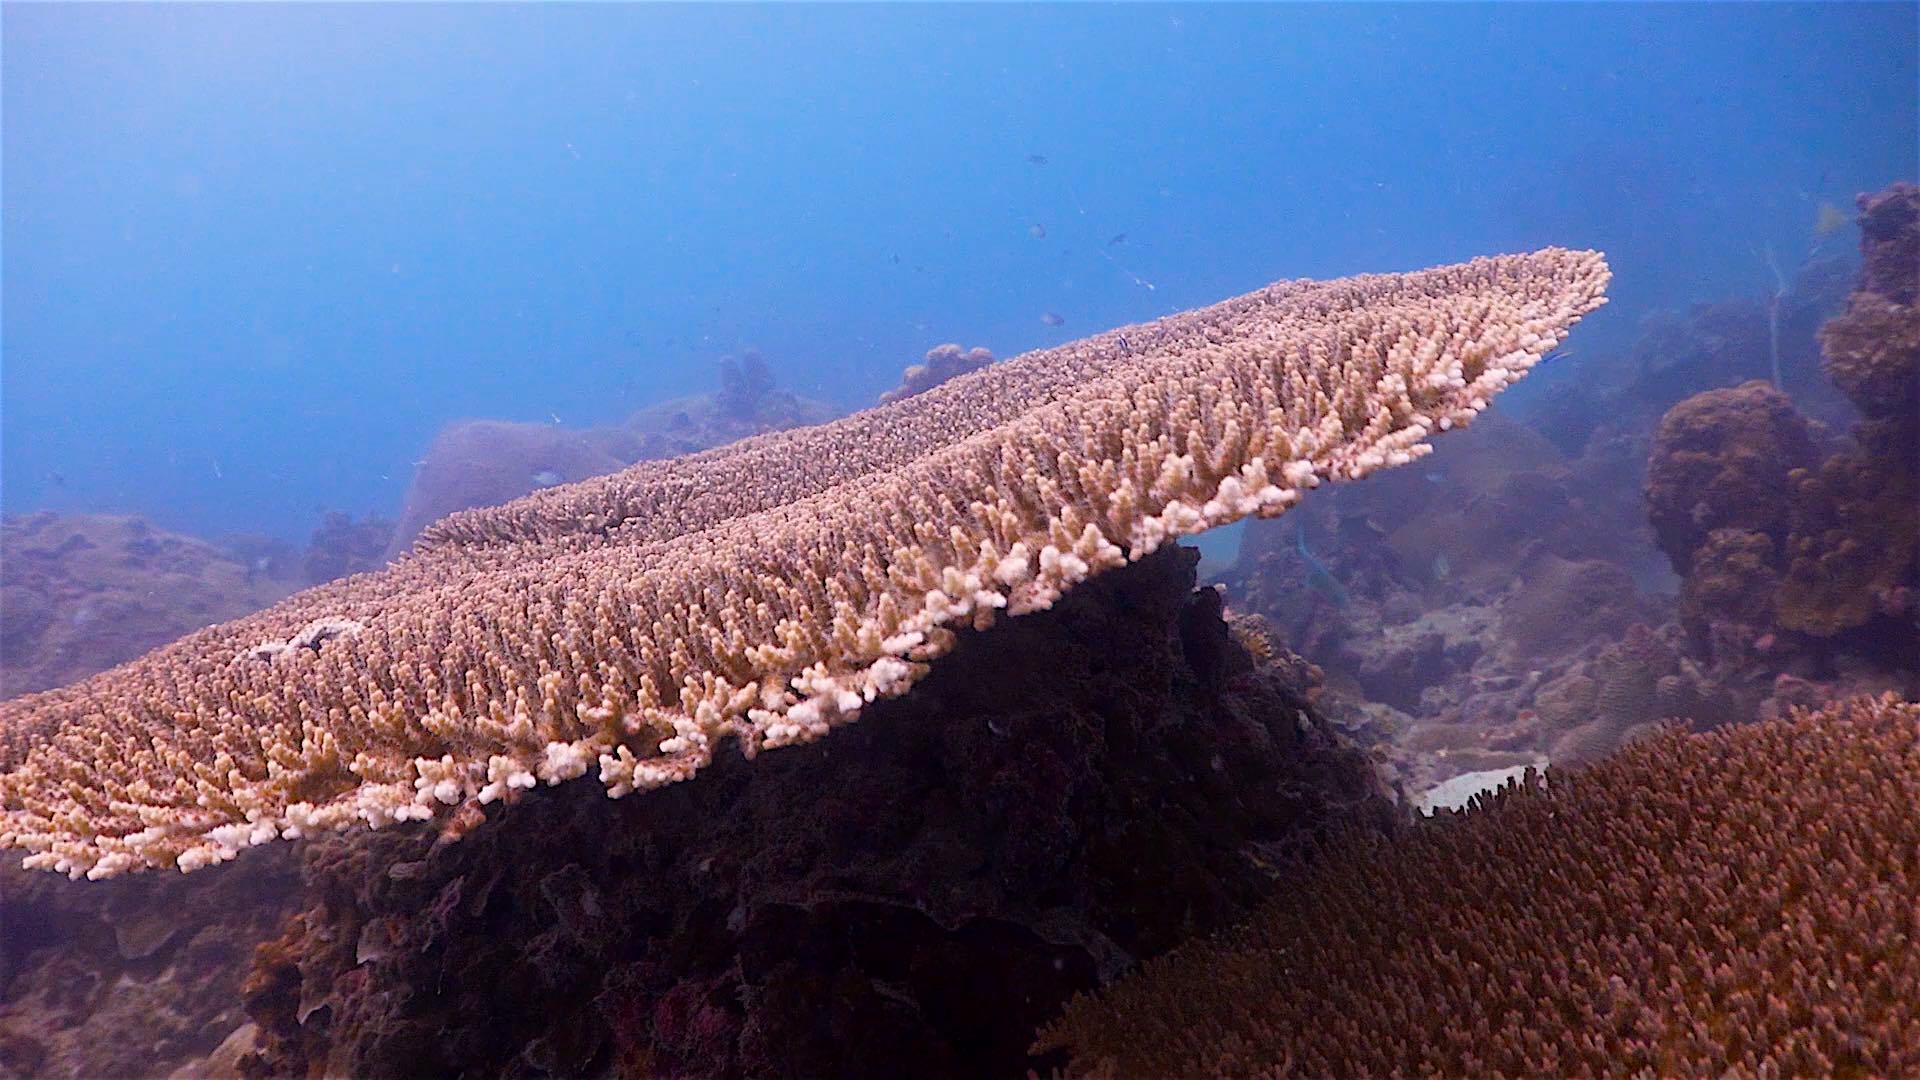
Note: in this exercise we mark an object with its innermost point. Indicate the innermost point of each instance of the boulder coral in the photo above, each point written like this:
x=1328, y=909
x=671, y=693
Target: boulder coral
x=1720, y=460
x=1854, y=552
x=1737, y=902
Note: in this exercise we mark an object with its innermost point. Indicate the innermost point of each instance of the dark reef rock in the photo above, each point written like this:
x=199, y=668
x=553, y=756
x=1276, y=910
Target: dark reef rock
x=1066, y=794
x=135, y=977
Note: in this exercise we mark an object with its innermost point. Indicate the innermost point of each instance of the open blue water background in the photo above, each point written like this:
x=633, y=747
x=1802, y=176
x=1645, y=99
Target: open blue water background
x=256, y=256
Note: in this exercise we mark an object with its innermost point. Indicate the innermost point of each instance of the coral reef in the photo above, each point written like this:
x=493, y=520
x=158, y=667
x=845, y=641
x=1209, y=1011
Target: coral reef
x=525, y=644
x=139, y=977
x=341, y=546
x=746, y=382
x=1738, y=902
x=1477, y=580
x=1772, y=536
x=943, y=362
x=1854, y=554
x=85, y=592
x=924, y=888
x=487, y=462
x=1715, y=345
x=749, y=402
x=480, y=463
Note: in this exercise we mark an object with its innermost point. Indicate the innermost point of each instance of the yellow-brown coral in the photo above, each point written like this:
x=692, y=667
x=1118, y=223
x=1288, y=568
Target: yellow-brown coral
x=762, y=592
x=1734, y=903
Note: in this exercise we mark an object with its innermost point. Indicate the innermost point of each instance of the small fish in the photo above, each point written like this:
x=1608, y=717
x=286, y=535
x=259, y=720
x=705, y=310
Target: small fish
x=1036, y=159
x=896, y=260
x=1037, y=231
x=1118, y=238
x=1441, y=568
x=1125, y=345
x=1555, y=354
x=57, y=479
x=1052, y=319
x=547, y=478
x=1827, y=220
x=1319, y=578
x=1437, y=476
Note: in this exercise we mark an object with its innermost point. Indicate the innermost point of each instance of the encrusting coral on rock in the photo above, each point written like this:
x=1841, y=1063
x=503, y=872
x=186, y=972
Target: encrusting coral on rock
x=910, y=897
x=1731, y=903
x=764, y=592
x=1769, y=535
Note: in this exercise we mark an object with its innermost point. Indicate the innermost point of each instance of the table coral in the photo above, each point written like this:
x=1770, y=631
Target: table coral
x=763, y=593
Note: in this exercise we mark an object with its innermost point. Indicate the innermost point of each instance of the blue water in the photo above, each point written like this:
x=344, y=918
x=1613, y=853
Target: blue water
x=256, y=256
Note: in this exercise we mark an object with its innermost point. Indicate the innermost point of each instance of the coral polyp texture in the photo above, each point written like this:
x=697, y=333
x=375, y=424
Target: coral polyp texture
x=762, y=592
x=1738, y=902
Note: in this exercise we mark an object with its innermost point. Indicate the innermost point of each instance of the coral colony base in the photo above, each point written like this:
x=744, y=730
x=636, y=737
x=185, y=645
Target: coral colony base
x=762, y=592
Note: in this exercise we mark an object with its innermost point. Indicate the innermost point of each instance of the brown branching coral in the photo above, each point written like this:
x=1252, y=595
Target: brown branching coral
x=766, y=591
x=1737, y=902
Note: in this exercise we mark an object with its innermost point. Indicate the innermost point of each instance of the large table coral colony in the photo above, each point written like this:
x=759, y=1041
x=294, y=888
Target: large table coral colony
x=764, y=591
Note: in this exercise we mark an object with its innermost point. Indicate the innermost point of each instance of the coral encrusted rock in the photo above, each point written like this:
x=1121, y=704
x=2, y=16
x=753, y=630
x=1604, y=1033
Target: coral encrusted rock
x=923, y=888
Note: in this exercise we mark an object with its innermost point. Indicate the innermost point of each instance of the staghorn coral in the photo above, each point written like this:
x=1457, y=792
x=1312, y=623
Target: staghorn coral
x=1738, y=902
x=764, y=592
x=943, y=362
